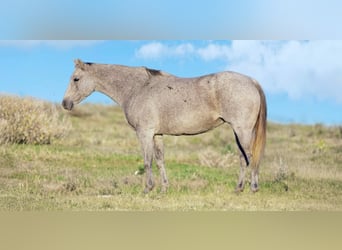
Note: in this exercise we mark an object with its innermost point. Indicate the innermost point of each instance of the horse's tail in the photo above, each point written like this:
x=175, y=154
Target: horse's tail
x=258, y=144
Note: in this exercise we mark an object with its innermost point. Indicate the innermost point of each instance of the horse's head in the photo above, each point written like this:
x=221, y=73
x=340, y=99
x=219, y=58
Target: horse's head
x=81, y=85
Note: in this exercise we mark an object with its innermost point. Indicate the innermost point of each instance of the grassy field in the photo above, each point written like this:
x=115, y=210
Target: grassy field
x=93, y=169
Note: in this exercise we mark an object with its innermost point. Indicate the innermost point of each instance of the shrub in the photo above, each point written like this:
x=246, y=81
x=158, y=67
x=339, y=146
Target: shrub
x=30, y=121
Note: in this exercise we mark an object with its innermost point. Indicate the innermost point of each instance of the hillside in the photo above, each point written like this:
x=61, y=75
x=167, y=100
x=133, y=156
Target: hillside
x=95, y=166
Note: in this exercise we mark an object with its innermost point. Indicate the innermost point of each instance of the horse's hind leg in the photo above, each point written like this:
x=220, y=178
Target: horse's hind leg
x=159, y=158
x=255, y=179
x=243, y=139
x=147, y=145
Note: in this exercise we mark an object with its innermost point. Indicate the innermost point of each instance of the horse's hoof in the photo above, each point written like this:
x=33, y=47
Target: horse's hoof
x=238, y=189
x=255, y=188
x=147, y=190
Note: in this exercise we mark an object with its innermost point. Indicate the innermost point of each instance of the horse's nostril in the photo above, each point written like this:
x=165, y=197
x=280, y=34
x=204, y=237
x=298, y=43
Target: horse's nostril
x=63, y=103
x=67, y=104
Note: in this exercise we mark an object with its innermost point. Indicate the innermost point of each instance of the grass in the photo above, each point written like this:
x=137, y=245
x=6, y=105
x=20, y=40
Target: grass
x=30, y=121
x=93, y=169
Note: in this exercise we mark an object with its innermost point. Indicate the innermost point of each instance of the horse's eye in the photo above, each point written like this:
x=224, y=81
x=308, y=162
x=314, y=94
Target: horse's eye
x=76, y=79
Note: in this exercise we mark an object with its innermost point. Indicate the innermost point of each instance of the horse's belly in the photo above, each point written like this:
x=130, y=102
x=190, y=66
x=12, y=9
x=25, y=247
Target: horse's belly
x=189, y=123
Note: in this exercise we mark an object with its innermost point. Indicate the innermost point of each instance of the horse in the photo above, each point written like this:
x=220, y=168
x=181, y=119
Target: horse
x=156, y=103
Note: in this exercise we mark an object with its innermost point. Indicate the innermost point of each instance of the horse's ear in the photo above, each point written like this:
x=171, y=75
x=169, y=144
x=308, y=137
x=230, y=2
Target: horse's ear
x=79, y=64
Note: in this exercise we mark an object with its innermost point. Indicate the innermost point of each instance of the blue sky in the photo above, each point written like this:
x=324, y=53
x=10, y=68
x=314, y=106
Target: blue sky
x=170, y=19
x=302, y=79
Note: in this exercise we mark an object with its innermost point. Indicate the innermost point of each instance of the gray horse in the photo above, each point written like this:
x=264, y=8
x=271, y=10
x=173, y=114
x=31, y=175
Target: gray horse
x=156, y=103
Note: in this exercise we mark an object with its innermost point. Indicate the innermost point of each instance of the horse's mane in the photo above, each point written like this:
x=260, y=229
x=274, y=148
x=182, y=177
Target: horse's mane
x=153, y=72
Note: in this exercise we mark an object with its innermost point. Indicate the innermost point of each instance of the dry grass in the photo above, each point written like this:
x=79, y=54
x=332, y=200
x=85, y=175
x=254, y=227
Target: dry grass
x=93, y=168
x=30, y=121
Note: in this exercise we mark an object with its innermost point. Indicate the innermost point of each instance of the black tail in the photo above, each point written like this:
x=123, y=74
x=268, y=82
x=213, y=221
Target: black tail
x=241, y=149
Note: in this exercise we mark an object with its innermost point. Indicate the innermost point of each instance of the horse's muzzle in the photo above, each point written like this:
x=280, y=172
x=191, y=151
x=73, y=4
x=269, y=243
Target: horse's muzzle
x=67, y=104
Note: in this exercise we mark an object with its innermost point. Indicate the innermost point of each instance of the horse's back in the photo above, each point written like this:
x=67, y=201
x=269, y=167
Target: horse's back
x=194, y=105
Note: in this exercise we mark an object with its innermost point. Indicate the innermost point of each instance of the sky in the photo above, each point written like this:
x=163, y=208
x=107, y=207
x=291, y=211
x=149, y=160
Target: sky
x=302, y=79
x=170, y=19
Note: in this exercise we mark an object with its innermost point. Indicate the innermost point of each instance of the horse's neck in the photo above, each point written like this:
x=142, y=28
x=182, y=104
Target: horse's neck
x=119, y=82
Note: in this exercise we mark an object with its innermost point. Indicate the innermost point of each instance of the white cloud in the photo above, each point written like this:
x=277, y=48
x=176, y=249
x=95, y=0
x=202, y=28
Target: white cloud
x=214, y=51
x=298, y=68
x=157, y=50
x=152, y=51
x=58, y=44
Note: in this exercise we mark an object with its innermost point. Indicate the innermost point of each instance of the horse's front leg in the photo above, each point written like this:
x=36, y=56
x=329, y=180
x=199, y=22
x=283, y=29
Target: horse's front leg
x=159, y=158
x=147, y=145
